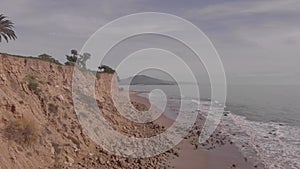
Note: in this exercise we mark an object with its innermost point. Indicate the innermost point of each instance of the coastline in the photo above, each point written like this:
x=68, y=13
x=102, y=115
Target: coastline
x=219, y=152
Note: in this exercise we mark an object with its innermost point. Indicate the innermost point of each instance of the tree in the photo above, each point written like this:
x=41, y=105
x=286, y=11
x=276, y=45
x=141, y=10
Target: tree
x=74, y=52
x=73, y=57
x=6, y=29
x=106, y=69
x=76, y=57
x=83, y=58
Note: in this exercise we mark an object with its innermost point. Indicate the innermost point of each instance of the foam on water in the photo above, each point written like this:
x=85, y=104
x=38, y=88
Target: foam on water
x=275, y=145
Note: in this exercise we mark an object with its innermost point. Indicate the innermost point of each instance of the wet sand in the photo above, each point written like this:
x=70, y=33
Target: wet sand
x=191, y=155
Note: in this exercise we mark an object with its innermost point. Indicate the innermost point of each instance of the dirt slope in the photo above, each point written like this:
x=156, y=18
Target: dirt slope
x=40, y=92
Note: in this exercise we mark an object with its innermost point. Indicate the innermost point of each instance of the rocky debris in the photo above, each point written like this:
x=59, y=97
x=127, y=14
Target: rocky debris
x=3, y=79
x=120, y=162
x=217, y=139
x=62, y=143
x=70, y=159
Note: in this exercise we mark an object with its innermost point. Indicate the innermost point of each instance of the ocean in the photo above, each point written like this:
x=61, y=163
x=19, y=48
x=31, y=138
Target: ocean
x=264, y=120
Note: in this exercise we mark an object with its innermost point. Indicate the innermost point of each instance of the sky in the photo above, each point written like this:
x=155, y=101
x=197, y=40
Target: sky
x=258, y=41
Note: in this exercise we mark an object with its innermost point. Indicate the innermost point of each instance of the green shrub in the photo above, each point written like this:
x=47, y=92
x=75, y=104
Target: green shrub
x=106, y=69
x=48, y=58
x=68, y=63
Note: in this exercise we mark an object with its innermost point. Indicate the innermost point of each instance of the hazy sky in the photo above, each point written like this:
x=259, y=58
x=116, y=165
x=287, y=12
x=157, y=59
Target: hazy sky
x=257, y=40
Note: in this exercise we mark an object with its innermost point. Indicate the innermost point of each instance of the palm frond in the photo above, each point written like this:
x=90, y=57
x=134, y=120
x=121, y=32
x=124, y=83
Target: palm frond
x=6, y=29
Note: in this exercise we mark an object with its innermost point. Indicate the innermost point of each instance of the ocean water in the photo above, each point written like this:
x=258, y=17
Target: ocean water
x=264, y=120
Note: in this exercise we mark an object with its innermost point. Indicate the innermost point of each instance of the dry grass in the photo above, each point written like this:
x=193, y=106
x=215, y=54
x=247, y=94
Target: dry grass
x=52, y=108
x=23, y=131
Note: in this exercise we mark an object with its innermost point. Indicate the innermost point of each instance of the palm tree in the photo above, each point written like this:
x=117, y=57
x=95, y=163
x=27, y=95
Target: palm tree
x=6, y=29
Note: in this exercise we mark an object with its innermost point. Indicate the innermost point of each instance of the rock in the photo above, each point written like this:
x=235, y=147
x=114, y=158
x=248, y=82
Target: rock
x=101, y=161
x=13, y=157
x=3, y=79
x=66, y=134
x=76, y=149
x=52, y=150
x=60, y=97
x=19, y=149
x=66, y=88
x=121, y=163
x=70, y=159
x=101, y=99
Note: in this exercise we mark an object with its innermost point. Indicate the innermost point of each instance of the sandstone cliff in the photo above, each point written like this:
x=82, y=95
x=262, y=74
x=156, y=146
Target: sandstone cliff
x=40, y=92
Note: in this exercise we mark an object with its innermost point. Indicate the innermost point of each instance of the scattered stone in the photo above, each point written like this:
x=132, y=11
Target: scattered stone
x=70, y=159
x=52, y=150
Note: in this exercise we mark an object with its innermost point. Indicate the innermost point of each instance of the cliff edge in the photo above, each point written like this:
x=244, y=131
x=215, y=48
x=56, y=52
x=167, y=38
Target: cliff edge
x=39, y=127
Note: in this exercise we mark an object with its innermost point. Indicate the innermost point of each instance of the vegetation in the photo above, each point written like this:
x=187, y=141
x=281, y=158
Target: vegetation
x=32, y=83
x=22, y=131
x=68, y=63
x=6, y=29
x=41, y=57
x=48, y=58
x=76, y=57
x=106, y=69
x=73, y=57
x=52, y=108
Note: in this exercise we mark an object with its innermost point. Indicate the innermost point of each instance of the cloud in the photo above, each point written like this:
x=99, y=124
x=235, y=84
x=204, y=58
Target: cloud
x=274, y=19
x=251, y=36
x=236, y=8
x=58, y=26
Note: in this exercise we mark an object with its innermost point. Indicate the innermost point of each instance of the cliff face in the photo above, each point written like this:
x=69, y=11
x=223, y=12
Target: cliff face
x=41, y=92
x=39, y=127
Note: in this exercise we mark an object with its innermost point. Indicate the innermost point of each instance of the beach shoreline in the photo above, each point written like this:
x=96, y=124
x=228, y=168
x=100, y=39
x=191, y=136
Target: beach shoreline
x=218, y=152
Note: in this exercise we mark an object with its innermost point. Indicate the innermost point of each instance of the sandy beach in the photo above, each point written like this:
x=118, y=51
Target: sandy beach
x=220, y=154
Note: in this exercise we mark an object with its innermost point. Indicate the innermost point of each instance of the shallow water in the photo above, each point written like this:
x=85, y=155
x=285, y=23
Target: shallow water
x=264, y=121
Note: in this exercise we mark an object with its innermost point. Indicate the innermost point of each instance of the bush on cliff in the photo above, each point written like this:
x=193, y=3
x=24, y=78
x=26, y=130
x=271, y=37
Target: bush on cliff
x=106, y=69
x=22, y=131
x=48, y=58
x=32, y=83
x=73, y=57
